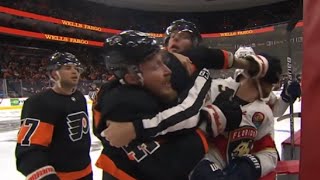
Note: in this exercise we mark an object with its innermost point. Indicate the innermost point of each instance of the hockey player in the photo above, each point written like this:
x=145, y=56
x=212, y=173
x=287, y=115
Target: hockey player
x=182, y=36
x=248, y=152
x=290, y=92
x=54, y=140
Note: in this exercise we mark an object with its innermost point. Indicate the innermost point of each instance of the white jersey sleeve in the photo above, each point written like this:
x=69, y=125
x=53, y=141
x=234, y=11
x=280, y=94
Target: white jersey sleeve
x=263, y=147
x=277, y=105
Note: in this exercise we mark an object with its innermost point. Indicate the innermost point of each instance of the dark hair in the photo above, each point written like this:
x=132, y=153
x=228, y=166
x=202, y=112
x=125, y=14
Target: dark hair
x=274, y=70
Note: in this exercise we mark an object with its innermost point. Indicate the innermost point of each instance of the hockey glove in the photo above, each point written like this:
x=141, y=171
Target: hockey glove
x=291, y=91
x=206, y=170
x=258, y=66
x=224, y=114
x=246, y=167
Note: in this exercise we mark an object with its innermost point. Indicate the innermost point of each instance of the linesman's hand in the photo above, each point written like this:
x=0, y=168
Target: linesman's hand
x=119, y=133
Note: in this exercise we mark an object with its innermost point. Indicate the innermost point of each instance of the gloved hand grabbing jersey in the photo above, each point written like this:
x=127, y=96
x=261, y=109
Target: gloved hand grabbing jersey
x=291, y=91
x=224, y=114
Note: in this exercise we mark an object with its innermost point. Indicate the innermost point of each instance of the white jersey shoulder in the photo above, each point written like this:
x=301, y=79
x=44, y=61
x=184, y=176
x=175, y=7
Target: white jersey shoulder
x=220, y=85
x=259, y=115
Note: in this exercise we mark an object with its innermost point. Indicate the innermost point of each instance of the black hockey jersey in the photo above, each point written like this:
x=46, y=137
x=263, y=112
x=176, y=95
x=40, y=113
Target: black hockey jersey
x=54, y=139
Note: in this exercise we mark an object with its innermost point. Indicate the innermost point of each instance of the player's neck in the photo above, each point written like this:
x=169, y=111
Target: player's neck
x=63, y=90
x=247, y=91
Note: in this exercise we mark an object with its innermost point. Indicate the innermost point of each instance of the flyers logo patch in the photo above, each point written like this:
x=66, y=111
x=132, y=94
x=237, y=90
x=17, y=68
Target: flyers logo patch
x=78, y=125
x=257, y=119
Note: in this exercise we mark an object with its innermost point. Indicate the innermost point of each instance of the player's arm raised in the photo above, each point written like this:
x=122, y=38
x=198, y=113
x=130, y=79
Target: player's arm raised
x=33, y=142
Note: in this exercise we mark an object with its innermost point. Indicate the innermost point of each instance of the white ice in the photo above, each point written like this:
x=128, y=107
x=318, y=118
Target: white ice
x=8, y=142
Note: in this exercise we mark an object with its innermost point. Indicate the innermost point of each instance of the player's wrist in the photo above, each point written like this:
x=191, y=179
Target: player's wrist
x=139, y=130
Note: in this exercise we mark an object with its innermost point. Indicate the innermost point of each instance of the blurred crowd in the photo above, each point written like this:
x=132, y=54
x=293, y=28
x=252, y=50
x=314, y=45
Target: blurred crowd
x=23, y=61
x=89, y=12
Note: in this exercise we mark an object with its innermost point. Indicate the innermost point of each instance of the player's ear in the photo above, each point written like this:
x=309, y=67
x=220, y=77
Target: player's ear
x=131, y=78
x=54, y=75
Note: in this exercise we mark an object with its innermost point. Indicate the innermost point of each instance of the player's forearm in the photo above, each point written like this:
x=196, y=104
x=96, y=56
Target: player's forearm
x=240, y=63
x=268, y=160
x=34, y=163
x=203, y=57
x=279, y=107
x=265, y=150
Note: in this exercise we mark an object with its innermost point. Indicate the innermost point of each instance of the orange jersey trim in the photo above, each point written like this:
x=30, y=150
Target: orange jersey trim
x=75, y=174
x=107, y=165
x=203, y=139
x=226, y=59
x=41, y=135
x=96, y=117
x=193, y=68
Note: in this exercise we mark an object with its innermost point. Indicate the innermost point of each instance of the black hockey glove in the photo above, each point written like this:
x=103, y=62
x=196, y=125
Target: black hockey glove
x=291, y=91
x=246, y=167
x=230, y=108
x=258, y=66
x=206, y=170
x=223, y=115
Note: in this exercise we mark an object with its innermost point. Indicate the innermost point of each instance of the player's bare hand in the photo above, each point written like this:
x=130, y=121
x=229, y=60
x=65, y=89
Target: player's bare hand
x=185, y=61
x=119, y=133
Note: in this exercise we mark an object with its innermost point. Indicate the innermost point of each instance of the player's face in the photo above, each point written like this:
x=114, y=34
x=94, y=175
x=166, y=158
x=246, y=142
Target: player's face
x=157, y=77
x=69, y=75
x=179, y=42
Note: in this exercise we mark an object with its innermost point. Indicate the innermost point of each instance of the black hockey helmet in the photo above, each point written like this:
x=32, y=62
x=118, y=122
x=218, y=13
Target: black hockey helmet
x=62, y=58
x=182, y=25
x=127, y=50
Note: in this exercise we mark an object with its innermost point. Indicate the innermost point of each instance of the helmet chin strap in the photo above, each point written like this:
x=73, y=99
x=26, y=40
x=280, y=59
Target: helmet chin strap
x=141, y=79
x=58, y=83
x=259, y=89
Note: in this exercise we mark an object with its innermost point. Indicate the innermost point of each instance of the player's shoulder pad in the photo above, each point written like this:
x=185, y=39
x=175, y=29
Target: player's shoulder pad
x=39, y=97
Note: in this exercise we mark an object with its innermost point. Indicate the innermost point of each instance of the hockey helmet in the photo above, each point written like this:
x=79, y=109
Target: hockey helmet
x=127, y=50
x=59, y=59
x=182, y=25
x=244, y=51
